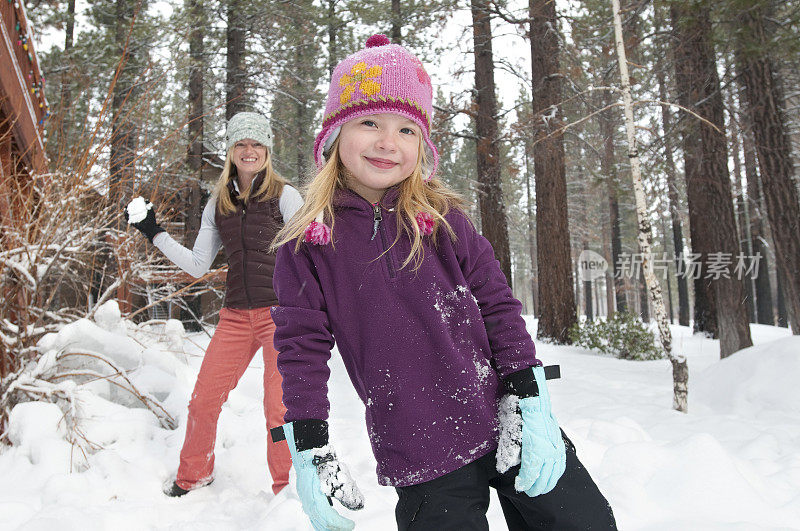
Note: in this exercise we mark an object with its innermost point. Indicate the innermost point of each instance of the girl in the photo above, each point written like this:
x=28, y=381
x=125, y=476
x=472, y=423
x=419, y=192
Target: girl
x=249, y=206
x=383, y=259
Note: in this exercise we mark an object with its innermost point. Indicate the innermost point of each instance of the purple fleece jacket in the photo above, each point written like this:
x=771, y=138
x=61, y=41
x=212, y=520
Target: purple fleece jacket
x=425, y=350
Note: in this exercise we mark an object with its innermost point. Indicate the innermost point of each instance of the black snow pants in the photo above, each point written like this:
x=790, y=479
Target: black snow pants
x=459, y=500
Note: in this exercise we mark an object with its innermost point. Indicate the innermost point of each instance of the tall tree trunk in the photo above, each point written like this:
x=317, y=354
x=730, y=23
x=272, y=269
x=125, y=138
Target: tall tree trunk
x=235, y=76
x=577, y=287
x=194, y=156
x=774, y=153
x=66, y=121
x=531, y=228
x=742, y=223
x=552, y=227
x=765, y=309
x=490, y=195
x=586, y=284
x=598, y=297
x=680, y=372
x=705, y=309
x=608, y=279
x=301, y=104
x=123, y=130
x=783, y=317
x=66, y=93
x=608, y=168
x=707, y=178
x=194, y=159
x=333, y=27
x=674, y=202
x=397, y=23
x=587, y=292
x=665, y=240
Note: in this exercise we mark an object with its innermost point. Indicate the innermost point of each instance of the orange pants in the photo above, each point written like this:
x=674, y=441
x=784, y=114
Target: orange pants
x=239, y=335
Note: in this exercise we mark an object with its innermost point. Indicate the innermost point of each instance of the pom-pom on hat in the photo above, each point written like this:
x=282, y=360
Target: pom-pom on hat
x=381, y=78
x=248, y=125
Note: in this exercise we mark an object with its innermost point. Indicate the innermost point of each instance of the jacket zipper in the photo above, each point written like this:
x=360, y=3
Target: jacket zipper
x=244, y=259
x=376, y=222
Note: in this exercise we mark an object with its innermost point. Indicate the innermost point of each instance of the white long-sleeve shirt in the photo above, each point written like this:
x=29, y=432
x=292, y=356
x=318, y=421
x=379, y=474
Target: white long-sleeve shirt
x=197, y=260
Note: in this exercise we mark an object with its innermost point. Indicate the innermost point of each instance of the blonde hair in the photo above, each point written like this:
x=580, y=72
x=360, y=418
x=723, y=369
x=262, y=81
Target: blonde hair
x=272, y=186
x=415, y=196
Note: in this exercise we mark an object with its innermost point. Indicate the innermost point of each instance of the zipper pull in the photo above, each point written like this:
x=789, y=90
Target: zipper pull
x=376, y=208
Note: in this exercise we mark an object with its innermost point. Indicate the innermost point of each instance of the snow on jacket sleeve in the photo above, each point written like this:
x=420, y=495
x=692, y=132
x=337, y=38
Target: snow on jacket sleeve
x=511, y=344
x=302, y=335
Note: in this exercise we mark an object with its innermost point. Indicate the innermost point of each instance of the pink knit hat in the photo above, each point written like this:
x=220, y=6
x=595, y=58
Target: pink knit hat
x=383, y=77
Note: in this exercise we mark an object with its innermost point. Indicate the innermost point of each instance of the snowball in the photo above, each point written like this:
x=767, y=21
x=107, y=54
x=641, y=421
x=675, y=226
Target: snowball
x=137, y=209
x=335, y=480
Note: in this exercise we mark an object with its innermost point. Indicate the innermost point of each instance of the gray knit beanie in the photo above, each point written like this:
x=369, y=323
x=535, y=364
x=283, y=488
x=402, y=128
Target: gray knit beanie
x=248, y=125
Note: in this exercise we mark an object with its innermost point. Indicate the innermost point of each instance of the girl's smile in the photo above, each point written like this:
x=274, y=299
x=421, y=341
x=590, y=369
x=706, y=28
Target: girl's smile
x=379, y=151
x=383, y=164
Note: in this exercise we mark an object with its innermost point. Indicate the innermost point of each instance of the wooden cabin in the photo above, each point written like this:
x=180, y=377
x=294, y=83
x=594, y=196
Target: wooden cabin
x=23, y=106
x=23, y=111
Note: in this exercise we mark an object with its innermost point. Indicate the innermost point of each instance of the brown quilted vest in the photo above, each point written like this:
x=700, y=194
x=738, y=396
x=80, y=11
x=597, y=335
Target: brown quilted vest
x=246, y=236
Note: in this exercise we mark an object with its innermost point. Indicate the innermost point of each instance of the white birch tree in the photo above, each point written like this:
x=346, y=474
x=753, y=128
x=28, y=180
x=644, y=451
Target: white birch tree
x=680, y=372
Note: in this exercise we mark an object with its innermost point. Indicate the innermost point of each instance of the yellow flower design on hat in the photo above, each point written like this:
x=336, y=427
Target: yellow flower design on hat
x=359, y=77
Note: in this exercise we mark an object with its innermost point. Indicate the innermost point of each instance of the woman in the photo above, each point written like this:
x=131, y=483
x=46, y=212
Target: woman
x=250, y=204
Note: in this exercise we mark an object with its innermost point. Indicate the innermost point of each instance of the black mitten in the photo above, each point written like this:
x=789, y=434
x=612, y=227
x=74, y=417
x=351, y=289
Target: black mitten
x=148, y=225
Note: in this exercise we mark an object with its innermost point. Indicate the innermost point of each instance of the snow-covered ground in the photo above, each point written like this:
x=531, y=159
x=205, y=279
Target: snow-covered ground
x=731, y=463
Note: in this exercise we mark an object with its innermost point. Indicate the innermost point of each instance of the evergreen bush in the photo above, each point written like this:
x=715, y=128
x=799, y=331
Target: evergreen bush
x=622, y=335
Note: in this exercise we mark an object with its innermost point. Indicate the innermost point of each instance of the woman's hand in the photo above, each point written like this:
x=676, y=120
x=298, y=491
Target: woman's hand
x=140, y=214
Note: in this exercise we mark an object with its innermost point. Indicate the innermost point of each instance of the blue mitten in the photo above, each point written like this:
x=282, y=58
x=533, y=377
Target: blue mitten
x=543, y=454
x=320, y=476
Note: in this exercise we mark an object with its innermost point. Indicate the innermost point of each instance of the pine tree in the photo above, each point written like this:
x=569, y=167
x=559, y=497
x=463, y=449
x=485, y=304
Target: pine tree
x=558, y=312
x=295, y=52
x=739, y=199
x=196, y=117
x=490, y=194
x=127, y=88
x=413, y=23
x=457, y=167
x=773, y=148
x=765, y=313
x=608, y=166
x=713, y=225
x=672, y=184
x=235, y=72
x=523, y=137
